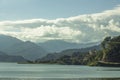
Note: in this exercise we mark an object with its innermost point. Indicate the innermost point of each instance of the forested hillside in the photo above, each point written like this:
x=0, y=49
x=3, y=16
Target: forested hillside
x=109, y=54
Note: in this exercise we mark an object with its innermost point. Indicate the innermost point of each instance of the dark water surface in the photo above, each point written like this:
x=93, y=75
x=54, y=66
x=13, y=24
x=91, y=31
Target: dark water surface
x=14, y=71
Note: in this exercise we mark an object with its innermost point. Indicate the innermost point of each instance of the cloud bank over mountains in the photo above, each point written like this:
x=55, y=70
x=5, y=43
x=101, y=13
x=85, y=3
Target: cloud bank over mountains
x=83, y=28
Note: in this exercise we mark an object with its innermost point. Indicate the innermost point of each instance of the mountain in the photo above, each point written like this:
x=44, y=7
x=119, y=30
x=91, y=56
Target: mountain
x=27, y=49
x=2, y=53
x=14, y=46
x=7, y=41
x=108, y=56
x=9, y=58
x=59, y=45
x=111, y=49
x=68, y=52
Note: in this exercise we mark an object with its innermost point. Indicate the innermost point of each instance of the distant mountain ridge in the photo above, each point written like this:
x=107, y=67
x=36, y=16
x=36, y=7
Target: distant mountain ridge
x=7, y=41
x=10, y=58
x=14, y=46
x=2, y=53
x=33, y=51
x=59, y=45
x=68, y=52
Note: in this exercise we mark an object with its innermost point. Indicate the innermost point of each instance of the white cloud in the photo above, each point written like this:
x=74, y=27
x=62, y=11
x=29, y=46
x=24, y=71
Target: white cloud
x=82, y=28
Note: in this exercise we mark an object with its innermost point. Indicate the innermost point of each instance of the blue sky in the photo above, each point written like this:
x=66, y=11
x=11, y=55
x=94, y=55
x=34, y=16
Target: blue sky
x=80, y=21
x=51, y=9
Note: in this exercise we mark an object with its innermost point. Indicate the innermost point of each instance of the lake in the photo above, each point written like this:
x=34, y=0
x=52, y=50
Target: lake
x=14, y=71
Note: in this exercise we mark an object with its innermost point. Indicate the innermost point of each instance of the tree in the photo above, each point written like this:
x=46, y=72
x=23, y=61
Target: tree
x=111, y=49
x=105, y=41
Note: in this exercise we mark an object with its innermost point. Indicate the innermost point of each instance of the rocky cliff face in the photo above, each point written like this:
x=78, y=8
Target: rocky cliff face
x=109, y=55
x=112, y=52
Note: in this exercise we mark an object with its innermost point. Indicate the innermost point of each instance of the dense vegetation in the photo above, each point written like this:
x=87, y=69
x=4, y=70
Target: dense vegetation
x=111, y=49
x=109, y=54
x=76, y=58
x=72, y=59
x=70, y=56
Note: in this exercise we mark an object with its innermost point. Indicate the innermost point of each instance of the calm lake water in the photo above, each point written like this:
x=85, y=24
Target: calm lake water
x=14, y=71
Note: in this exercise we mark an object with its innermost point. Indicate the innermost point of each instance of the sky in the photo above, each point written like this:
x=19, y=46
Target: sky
x=69, y=20
x=51, y=9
